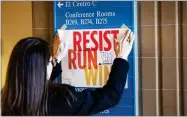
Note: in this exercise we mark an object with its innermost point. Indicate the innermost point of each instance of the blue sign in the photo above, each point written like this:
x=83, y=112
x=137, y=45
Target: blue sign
x=101, y=15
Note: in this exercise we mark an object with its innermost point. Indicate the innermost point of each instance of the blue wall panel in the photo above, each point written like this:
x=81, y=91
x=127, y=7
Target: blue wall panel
x=124, y=14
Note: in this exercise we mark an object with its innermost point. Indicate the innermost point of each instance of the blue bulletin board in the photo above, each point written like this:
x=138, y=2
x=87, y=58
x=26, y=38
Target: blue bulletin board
x=103, y=14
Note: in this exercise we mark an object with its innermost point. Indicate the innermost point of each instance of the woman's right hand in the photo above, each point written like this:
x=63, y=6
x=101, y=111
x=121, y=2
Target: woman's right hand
x=126, y=45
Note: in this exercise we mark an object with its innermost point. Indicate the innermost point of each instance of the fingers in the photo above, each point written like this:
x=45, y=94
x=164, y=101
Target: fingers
x=132, y=39
x=63, y=46
x=63, y=51
x=66, y=45
x=60, y=34
x=127, y=35
x=131, y=35
x=123, y=38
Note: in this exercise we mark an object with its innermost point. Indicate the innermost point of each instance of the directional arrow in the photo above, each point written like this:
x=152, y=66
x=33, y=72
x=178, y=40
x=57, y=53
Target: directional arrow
x=60, y=4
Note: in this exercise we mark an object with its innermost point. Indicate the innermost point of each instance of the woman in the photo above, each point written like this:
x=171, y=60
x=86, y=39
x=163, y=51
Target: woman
x=27, y=90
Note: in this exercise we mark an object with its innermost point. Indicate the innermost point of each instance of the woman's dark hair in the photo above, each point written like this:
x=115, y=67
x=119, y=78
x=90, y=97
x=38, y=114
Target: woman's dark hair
x=26, y=86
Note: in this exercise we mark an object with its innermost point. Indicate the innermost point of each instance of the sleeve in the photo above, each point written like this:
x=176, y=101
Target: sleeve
x=94, y=101
x=55, y=72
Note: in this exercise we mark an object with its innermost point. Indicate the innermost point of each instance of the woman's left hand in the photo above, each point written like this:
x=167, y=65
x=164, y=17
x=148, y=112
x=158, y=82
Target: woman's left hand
x=60, y=50
x=62, y=47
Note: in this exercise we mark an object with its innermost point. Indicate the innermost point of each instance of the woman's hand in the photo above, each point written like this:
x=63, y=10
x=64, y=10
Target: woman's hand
x=125, y=45
x=61, y=47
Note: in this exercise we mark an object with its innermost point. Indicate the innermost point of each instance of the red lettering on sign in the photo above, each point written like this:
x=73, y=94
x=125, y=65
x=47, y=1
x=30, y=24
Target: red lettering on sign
x=84, y=56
